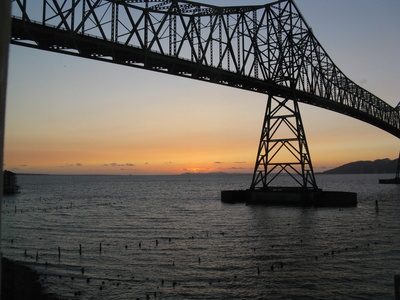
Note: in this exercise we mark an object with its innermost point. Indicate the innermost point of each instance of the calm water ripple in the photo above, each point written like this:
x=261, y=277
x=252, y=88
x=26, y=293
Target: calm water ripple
x=170, y=237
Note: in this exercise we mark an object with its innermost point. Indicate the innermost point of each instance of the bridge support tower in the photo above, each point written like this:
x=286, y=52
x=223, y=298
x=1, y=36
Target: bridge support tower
x=283, y=172
x=283, y=148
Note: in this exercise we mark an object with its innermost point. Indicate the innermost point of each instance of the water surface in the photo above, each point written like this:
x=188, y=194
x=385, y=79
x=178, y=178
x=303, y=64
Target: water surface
x=170, y=237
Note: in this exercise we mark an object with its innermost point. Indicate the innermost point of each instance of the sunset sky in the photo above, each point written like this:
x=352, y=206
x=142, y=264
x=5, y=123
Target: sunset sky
x=69, y=115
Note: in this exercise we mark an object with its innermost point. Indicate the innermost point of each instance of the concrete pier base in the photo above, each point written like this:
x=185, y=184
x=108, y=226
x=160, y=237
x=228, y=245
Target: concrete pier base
x=288, y=196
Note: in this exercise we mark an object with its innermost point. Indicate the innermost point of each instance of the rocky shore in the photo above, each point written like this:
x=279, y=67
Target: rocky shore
x=19, y=282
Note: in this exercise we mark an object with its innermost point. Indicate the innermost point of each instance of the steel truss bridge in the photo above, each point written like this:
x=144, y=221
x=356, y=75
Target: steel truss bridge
x=266, y=49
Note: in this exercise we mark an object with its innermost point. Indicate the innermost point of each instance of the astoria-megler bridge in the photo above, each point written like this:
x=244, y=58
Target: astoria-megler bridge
x=266, y=49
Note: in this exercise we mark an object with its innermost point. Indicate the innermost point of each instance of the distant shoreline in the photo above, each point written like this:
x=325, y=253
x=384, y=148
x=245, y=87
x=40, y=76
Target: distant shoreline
x=182, y=174
x=35, y=174
x=198, y=174
x=379, y=166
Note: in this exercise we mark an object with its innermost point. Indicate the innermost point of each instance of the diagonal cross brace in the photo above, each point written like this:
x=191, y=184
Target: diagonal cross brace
x=283, y=138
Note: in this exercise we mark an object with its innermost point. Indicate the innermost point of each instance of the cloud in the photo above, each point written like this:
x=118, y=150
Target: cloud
x=218, y=162
x=23, y=165
x=195, y=170
x=239, y=162
x=71, y=165
x=119, y=165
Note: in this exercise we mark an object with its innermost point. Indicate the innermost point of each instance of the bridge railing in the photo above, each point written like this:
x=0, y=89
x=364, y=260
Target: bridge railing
x=270, y=43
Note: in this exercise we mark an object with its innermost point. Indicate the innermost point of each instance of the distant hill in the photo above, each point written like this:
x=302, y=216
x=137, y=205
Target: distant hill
x=366, y=167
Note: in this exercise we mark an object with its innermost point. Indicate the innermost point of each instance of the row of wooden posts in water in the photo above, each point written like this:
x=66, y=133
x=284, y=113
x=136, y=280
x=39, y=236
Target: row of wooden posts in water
x=80, y=249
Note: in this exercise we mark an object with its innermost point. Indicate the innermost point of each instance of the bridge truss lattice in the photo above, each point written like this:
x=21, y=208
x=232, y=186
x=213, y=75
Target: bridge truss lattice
x=266, y=48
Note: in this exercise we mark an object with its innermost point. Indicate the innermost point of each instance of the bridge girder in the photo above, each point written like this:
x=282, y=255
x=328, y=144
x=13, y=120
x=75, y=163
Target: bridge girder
x=266, y=49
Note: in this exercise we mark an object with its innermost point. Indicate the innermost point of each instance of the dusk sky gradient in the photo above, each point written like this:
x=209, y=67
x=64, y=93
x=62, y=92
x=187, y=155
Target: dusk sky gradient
x=69, y=115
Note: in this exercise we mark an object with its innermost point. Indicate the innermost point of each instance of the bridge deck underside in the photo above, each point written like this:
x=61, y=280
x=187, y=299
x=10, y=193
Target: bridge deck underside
x=56, y=40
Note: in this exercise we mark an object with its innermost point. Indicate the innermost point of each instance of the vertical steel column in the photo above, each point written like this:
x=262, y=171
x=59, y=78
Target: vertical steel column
x=199, y=37
x=83, y=15
x=146, y=25
x=170, y=35
x=255, y=47
x=175, y=34
x=211, y=42
x=5, y=29
x=44, y=12
x=73, y=15
x=307, y=170
x=280, y=74
x=292, y=61
x=116, y=22
x=113, y=21
x=220, y=40
x=243, y=43
x=192, y=26
x=238, y=42
x=228, y=42
x=260, y=169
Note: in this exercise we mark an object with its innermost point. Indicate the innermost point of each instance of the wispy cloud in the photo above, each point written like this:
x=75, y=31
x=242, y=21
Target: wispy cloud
x=118, y=165
x=69, y=165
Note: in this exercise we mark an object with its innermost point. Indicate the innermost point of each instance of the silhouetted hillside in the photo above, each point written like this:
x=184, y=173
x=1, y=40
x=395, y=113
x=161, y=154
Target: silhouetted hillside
x=366, y=167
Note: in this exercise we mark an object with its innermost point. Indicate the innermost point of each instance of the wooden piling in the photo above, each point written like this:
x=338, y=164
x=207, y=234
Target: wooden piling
x=80, y=249
x=59, y=252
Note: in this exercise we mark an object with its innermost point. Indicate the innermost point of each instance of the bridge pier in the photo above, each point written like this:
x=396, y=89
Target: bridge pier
x=286, y=196
x=283, y=150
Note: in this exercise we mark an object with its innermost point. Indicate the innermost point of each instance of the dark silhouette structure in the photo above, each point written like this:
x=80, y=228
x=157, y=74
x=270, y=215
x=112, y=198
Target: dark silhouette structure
x=266, y=49
x=10, y=184
x=396, y=179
